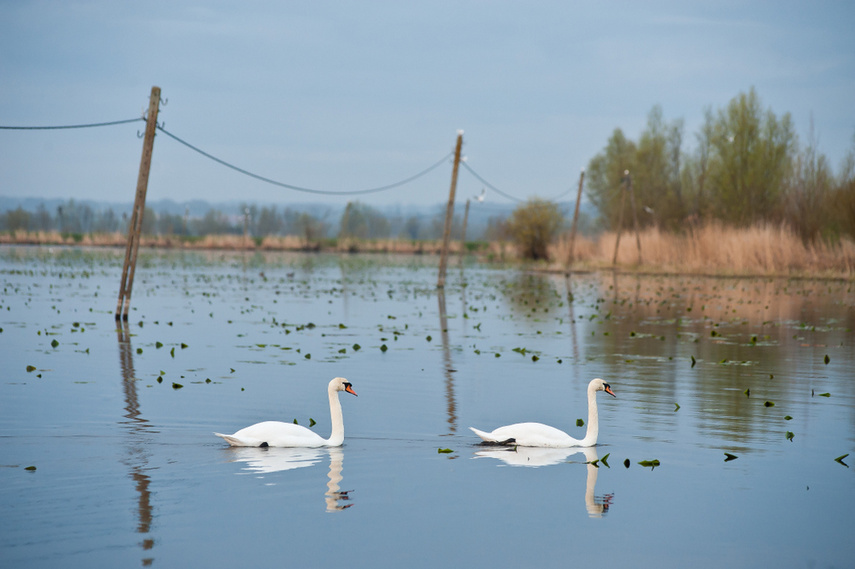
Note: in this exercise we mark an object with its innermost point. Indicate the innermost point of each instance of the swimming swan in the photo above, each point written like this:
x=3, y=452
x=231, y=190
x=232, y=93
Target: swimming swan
x=279, y=434
x=540, y=435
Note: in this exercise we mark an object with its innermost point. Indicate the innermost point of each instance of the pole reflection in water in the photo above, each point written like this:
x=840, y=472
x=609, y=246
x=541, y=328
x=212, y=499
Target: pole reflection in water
x=597, y=506
x=272, y=459
x=448, y=369
x=138, y=436
x=570, y=303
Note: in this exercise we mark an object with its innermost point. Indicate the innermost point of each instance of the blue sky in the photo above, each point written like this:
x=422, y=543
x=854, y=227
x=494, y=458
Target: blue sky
x=353, y=95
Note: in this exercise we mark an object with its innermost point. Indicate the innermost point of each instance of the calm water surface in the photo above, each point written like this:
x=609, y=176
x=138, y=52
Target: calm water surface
x=127, y=472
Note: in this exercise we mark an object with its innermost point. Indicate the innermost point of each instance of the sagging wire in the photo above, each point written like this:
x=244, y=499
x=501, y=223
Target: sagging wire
x=90, y=125
x=301, y=189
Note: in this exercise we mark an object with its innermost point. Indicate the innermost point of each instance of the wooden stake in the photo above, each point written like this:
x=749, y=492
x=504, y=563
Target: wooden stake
x=620, y=218
x=465, y=223
x=575, y=220
x=449, y=213
x=634, y=216
x=135, y=226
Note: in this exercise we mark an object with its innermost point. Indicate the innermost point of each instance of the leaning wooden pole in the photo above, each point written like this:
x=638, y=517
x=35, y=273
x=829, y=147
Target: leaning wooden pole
x=620, y=218
x=575, y=220
x=135, y=227
x=449, y=213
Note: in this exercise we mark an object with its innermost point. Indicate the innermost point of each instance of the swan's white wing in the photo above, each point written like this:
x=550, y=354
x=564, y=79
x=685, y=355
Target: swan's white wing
x=529, y=435
x=275, y=434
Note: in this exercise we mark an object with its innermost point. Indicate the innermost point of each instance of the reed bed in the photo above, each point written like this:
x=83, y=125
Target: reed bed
x=707, y=249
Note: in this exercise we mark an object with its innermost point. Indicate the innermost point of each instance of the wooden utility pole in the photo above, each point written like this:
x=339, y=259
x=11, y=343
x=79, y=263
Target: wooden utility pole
x=135, y=226
x=620, y=218
x=449, y=213
x=575, y=220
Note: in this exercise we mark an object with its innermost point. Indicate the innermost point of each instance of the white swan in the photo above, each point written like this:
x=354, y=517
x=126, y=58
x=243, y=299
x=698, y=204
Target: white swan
x=540, y=435
x=279, y=434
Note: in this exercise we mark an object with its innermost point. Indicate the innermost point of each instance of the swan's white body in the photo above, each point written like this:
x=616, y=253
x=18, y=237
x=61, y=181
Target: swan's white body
x=279, y=434
x=540, y=435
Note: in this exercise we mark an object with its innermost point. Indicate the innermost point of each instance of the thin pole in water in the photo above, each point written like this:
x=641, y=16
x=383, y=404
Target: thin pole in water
x=449, y=213
x=135, y=225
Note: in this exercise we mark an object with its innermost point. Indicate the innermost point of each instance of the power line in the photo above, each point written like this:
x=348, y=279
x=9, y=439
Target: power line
x=90, y=125
x=489, y=185
x=503, y=194
x=298, y=188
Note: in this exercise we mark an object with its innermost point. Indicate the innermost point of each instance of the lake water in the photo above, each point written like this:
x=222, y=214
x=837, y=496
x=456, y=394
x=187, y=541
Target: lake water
x=106, y=462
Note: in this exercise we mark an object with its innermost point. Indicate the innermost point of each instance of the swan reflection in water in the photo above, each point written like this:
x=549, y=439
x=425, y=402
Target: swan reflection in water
x=271, y=459
x=597, y=506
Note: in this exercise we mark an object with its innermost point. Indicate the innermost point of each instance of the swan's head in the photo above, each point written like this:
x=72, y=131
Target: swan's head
x=600, y=385
x=341, y=384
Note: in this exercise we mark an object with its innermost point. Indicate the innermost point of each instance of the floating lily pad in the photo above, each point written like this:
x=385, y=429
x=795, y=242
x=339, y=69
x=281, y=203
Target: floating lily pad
x=579, y=422
x=444, y=450
x=31, y=368
x=649, y=463
x=54, y=343
x=176, y=385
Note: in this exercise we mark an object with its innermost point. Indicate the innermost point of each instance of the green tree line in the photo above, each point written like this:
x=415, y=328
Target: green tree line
x=747, y=166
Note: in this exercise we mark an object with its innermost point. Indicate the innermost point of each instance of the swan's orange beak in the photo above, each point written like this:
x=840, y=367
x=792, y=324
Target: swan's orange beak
x=608, y=389
x=349, y=389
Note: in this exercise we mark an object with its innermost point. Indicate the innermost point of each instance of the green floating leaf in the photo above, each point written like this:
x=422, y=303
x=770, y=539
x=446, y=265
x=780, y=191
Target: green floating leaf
x=790, y=435
x=605, y=460
x=160, y=379
x=341, y=326
x=312, y=422
x=139, y=350
x=158, y=345
x=676, y=407
x=840, y=459
x=31, y=368
x=626, y=463
x=825, y=394
x=356, y=347
x=579, y=422
x=728, y=457
x=787, y=418
x=54, y=343
x=534, y=358
x=444, y=450
x=649, y=463
x=295, y=422
x=172, y=352
x=30, y=468
x=183, y=345
x=231, y=370
x=769, y=404
x=747, y=393
x=308, y=356
x=693, y=361
x=383, y=348
x=827, y=359
x=176, y=385
x=428, y=338
x=343, y=351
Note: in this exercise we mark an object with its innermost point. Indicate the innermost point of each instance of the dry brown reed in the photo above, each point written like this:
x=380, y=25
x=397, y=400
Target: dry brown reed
x=706, y=249
x=716, y=248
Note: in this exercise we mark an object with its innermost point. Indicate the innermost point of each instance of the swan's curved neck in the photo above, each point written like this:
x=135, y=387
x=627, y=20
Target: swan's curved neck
x=337, y=436
x=593, y=420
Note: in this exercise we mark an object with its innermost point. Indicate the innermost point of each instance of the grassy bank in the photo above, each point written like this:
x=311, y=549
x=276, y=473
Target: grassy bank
x=708, y=249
